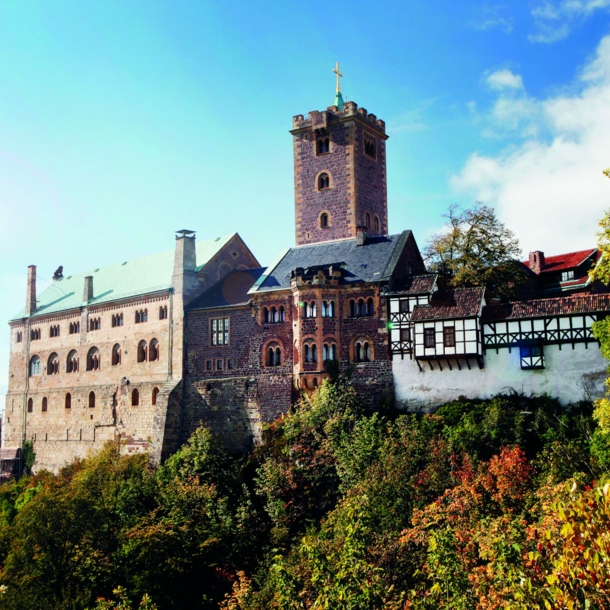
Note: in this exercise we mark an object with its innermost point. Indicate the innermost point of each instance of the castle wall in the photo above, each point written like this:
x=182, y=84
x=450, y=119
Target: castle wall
x=59, y=433
x=570, y=374
x=236, y=401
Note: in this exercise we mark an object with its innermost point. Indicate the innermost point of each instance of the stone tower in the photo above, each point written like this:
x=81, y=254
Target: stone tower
x=339, y=174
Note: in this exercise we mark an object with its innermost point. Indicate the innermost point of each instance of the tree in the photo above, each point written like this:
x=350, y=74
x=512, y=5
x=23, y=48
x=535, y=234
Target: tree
x=476, y=249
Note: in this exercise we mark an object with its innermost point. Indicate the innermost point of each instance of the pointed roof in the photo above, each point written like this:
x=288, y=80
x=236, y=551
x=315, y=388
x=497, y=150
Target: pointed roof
x=138, y=276
x=564, y=262
x=372, y=262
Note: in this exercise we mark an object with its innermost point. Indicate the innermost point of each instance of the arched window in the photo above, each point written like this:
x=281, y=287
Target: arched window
x=314, y=353
x=323, y=221
x=323, y=181
x=116, y=354
x=370, y=307
x=155, y=393
x=142, y=351
x=376, y=224
x=141, y=316
x=352, y=308
x=328, y=309
x=135, y=398
x=361, y=307
x=313, y=309
x=93, y=359
x=30, y=405
x=304, y=383
x=270, y=356
x=72, y=362
x=329, y=351
x=265, y=314
x=278, y=356
x=68, y=401
x=306, y=310
x=53, y=364
x=282, y=313
x=362, y=351
x=91, y=400
x=315, y=382
x=45, y=404
x=163, y=312
x=35, y=366
x=273, y=316
x=154, y=351
x=307, y=353
x=367, y=220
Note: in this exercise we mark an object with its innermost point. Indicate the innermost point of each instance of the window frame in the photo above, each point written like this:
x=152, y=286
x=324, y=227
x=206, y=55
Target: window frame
x=224, y=333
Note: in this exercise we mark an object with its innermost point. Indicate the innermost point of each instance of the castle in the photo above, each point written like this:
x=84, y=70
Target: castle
x=143, y=351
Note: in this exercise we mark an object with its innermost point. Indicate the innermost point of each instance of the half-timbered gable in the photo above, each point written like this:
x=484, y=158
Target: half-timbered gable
x=448, y=328
x=403, y=296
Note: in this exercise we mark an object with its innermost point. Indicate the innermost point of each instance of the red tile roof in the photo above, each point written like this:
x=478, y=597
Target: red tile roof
x=457, y=303
x=574, y=304
x=417, y=284
x=563, y=262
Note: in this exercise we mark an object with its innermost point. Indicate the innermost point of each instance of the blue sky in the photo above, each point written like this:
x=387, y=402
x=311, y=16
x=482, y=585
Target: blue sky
x=121, y=122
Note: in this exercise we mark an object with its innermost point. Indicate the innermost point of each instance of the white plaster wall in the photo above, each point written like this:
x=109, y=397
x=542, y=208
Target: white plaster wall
x=569, y=375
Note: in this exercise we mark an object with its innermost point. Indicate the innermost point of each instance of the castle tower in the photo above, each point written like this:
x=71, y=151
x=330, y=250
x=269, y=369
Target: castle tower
x=339, y=173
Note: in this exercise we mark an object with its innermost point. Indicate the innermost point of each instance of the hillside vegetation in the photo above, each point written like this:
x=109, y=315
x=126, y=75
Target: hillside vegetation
x=485, y=504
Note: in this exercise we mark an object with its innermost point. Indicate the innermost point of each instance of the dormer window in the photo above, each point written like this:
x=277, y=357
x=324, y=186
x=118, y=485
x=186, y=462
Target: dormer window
x=566, y=276
x=370, y=146
x=323, y=181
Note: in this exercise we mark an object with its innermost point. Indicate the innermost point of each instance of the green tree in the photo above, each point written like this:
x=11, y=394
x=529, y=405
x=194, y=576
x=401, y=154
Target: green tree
x=476, y=249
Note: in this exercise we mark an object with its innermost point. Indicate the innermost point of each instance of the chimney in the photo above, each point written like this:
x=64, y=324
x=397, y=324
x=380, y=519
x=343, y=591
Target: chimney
x=537, y=261
x=184, y=279
x=30, y=302
x=88, y=289
x=361, y=235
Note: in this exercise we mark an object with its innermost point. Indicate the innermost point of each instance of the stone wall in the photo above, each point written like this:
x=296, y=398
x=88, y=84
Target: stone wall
x=570, y=374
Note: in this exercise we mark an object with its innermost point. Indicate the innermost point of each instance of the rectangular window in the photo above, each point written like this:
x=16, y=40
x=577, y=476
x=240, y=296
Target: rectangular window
x=220, y=331
x=405, y=334
x=566, y=276
x=230, y=364
x=531, y=357
x=429, y=337
x=219, y=365
x=208, y=365
x=449, y=336
x=404, y=306
x=19, y=336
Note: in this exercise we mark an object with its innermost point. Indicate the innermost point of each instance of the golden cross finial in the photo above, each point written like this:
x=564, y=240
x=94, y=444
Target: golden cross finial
x=339, y=75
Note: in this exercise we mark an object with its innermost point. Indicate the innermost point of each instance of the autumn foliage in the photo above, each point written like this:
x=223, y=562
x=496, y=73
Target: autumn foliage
x=485, y=504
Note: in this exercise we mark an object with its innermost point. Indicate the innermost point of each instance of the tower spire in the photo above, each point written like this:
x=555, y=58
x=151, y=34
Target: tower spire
x=338, y=97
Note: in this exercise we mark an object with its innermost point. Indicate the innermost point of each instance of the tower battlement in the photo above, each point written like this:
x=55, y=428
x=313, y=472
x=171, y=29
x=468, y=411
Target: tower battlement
x=317, y=119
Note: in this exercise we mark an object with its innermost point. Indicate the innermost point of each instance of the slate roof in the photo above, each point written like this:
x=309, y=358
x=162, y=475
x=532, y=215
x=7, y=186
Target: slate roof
x=372, y=262
x=577, y=303
x=230, y=291
x=564, y=262
x=144, y=275
x=416, y=284
x=448, y=304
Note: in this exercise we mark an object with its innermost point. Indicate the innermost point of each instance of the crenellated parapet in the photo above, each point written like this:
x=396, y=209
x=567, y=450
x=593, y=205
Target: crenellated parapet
x=320, y=119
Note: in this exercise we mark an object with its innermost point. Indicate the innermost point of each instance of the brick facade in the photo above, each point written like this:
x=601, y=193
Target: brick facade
x=357, y=180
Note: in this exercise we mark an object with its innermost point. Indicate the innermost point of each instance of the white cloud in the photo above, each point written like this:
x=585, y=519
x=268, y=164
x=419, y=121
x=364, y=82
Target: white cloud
x=554, y=20
x=491, y=18
x=549, y=188
x=504, y=79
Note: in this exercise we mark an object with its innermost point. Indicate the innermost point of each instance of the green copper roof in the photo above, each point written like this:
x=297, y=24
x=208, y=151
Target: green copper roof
x=338, y=100
x=152, y=273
